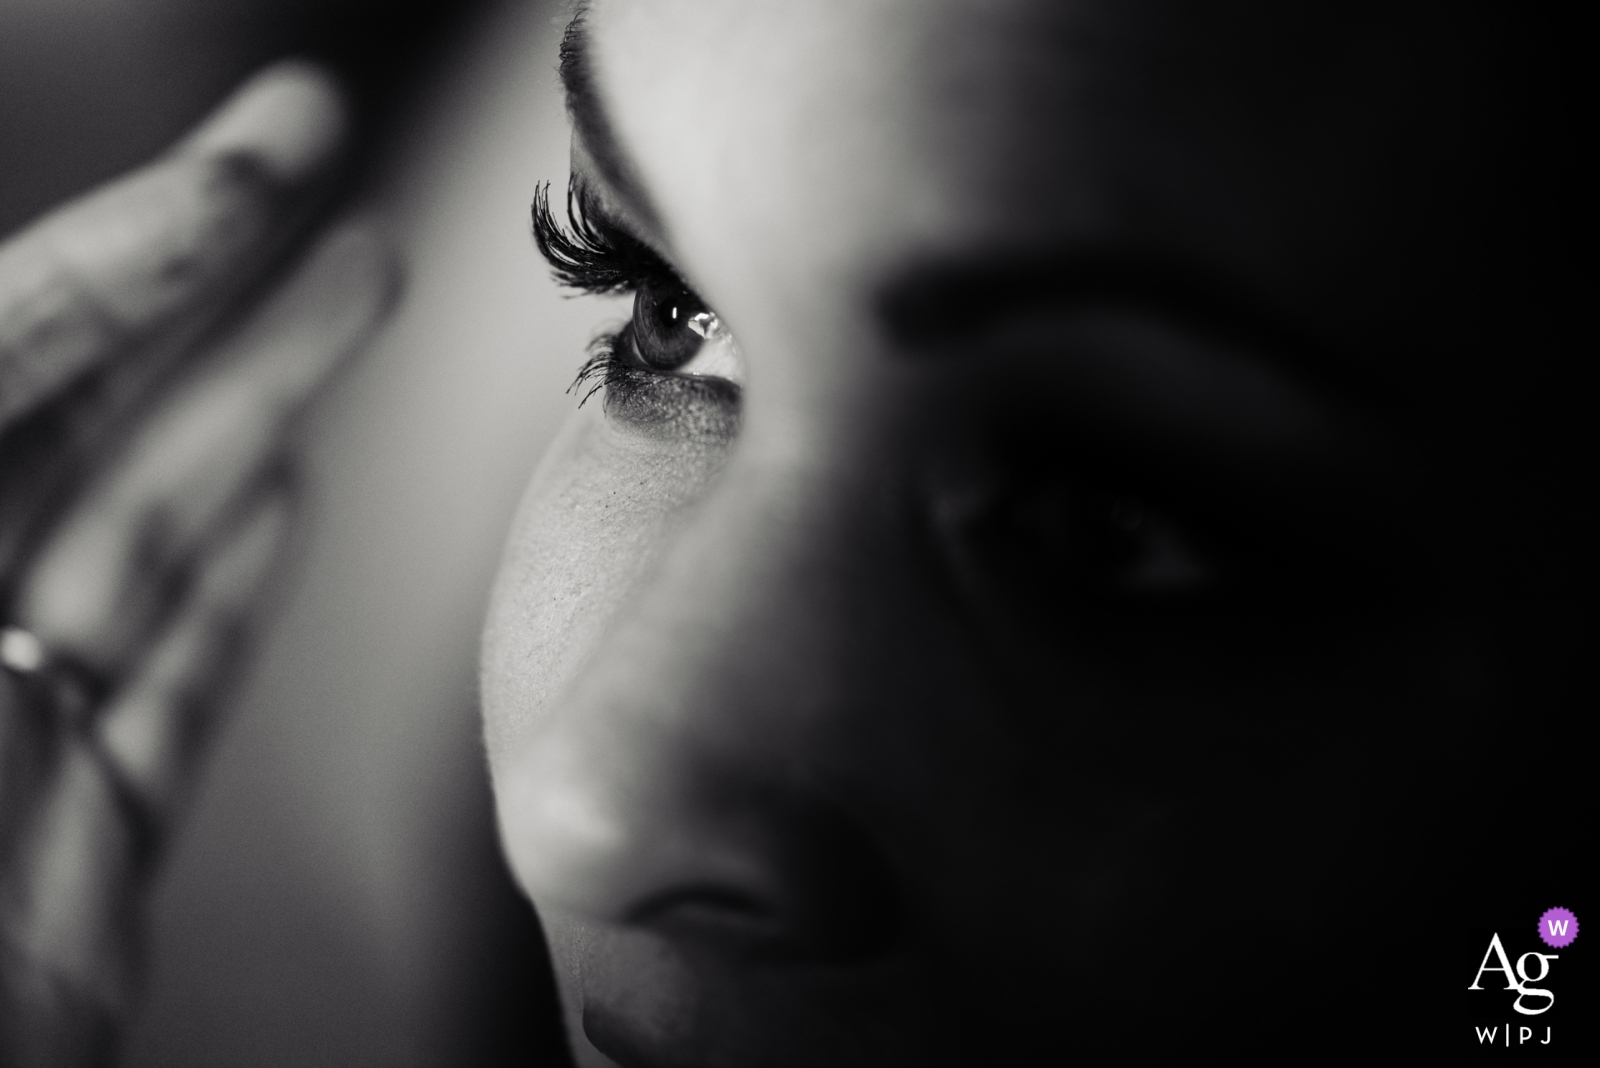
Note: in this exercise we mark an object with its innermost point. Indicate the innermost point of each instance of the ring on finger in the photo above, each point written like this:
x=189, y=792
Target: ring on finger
x=61, y=685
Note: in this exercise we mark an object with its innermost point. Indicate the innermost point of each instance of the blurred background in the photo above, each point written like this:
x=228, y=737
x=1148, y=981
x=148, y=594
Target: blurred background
x=336, y=896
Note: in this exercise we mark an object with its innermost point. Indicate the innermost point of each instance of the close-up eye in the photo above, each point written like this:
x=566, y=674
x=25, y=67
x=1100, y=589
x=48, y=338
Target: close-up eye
x=673, y=336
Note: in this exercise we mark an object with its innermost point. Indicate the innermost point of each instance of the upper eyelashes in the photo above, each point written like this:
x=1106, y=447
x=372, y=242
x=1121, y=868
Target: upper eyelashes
x=671, y=331
x=590, y=253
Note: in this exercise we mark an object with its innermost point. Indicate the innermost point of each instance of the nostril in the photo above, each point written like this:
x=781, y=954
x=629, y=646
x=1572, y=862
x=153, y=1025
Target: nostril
x=745, y=870
x=712, y=914
x=826, y=893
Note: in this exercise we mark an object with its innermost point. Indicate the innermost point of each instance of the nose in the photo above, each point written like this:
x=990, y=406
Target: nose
x=705, y=776
x=629, y=836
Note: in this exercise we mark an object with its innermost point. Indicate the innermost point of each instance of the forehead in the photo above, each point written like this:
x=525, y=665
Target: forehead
x=824, y=142
x=880, y=125
x=812, y=100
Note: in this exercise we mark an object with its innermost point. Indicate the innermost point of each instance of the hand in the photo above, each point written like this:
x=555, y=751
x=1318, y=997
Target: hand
x=143, y=502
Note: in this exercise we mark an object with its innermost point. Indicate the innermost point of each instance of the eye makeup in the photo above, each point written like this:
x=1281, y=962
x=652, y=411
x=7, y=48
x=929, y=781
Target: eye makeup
x=675, y=357
x=591, y=253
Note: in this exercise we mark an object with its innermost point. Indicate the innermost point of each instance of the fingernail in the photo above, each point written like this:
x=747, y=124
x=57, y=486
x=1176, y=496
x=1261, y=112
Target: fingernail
x=290, y=116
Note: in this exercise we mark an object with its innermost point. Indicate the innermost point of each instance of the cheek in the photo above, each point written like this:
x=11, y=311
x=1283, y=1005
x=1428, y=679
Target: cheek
x=597, y=513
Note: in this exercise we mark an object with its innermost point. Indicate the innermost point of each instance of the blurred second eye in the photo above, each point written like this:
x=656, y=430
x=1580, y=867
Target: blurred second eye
x=1090, y=542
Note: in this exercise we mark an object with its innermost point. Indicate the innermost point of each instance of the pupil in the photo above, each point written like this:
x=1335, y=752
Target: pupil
x=662, y=318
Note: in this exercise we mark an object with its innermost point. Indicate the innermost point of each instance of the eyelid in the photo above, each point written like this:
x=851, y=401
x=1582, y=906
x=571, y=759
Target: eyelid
x=596, y=252
x=619, y=231
x=1146, y=377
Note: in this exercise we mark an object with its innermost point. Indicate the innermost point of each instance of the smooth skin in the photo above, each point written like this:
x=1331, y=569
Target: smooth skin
x=844, y=739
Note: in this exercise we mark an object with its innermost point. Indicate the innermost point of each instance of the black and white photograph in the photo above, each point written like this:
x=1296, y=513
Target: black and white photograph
x=794, y=533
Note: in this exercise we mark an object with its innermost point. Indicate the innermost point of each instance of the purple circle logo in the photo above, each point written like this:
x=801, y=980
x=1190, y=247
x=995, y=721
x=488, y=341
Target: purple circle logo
x=1558, y=927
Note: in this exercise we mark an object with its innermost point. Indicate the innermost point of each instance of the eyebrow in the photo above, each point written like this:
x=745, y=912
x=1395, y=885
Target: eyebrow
x=1259, y=380
x=593, y=126
x=932, y=306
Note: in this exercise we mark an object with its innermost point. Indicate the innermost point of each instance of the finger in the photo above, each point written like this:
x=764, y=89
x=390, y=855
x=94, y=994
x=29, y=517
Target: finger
x=152, y=729
x=110, y=567
x=68, y=907
x=126, y=260
x=67, y=901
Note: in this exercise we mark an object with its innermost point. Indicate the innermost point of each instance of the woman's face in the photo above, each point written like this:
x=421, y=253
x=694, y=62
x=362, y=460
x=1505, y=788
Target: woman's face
x=985, y=579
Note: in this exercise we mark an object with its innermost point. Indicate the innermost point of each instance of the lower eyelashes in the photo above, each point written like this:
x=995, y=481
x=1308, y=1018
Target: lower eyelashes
x=690, y=408
x=674, y=369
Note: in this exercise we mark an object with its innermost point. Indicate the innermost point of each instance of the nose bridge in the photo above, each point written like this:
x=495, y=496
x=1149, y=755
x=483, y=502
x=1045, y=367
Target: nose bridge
x=695, y=766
